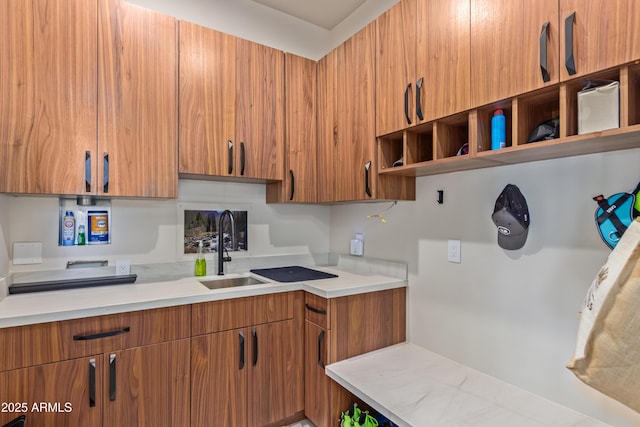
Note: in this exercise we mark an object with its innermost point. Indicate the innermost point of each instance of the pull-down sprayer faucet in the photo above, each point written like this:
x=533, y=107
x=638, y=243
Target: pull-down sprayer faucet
x=221, y=258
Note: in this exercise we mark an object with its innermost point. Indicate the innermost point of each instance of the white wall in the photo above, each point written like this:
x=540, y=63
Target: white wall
x=511, y=314
x=4, y=234
x=261, y=24
x=146, y=231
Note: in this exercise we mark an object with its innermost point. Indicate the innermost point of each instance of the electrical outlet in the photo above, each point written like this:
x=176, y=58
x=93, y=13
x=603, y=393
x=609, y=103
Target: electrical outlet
x=453, y=251
x=357, y=245
x=27, y=253
x=123, y=268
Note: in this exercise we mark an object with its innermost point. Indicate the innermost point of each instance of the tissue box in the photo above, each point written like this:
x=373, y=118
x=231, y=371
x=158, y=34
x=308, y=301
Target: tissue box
x=599, y=108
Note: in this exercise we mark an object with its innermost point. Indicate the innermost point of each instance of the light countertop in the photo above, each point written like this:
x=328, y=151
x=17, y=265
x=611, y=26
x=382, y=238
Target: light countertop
x=23, y=309
x=415, y=387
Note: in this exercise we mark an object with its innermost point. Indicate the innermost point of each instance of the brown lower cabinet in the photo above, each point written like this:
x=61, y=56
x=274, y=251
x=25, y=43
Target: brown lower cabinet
x=237, y=362
x=340, y=328
x=128, y=369
x=246, y=365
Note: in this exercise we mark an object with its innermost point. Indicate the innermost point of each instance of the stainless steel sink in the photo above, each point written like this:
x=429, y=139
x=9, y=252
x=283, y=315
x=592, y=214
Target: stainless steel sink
x=230, y=282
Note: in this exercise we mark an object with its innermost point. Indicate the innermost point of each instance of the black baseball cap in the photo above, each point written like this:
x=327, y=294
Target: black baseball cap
x=511, y=216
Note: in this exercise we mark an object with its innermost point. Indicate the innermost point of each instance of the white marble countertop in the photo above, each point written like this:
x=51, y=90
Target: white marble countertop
x=23, y=309
x=415, y=387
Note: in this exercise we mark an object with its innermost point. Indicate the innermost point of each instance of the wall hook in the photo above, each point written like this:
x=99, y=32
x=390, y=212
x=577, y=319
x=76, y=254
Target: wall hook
x=440, y=197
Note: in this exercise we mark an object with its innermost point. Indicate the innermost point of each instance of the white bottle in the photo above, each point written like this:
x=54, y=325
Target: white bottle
x=68, y=229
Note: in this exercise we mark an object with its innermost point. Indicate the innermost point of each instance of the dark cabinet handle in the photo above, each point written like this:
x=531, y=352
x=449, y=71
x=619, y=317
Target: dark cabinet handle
x=406, y=104
x=87, y=171
x=112, y=377
x=255, y=347
x=101, y=335
x=230, y=149
x=105, y=169
x=569, y=60
x=293, y=184
x=367, y=187
x=241, y=335
x=320, y=341
x=418, y=98
x=92, y=383
x=315, y=310
x=544, y=40
x=242, y=158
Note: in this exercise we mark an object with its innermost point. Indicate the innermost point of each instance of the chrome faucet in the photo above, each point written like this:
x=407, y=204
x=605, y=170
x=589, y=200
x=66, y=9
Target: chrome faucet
x=221, y=249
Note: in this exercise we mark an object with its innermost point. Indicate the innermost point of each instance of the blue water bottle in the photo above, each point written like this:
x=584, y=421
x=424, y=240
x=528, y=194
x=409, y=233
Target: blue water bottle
x=498, y=130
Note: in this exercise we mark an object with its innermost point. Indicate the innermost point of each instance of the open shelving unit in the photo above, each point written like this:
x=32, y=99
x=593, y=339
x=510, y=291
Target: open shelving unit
x=431, y=148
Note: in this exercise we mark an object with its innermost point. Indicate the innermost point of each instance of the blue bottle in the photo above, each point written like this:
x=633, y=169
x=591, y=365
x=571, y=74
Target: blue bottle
x=498, y=130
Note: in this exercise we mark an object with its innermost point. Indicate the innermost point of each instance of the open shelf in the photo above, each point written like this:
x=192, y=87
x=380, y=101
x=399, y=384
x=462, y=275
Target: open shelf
x=450, y=134
x=483, y=126
x=431, y=148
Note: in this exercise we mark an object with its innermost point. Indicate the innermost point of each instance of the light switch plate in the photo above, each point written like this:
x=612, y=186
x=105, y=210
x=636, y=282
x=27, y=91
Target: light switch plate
x=27, y=253
x=453, y=251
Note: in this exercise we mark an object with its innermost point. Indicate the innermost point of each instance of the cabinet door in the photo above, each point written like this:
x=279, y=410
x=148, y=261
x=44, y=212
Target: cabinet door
x=443, y=57
x=317, y=383
x=354, y=163
x=137, y=117
x=505, y=48
x=299, y=184
x=48, y=92
x=604, y=35
x=57, y=394
x=396, y=68
x=327, y=126
x=276, y=390
x=207, y=100
x=259, y=146
x=219, y=375
x=147, y=386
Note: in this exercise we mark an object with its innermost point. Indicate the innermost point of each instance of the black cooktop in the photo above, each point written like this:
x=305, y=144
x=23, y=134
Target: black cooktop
x=292, y=274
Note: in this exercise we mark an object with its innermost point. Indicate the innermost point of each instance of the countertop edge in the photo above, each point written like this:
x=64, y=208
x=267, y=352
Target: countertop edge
x=194, y=293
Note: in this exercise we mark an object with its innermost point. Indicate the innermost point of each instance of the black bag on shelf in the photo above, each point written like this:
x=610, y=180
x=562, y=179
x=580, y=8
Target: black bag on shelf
x=545, y=131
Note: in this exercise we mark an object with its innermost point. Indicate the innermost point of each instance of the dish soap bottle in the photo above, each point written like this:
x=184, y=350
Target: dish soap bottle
x=201, y=263
x=82, y=237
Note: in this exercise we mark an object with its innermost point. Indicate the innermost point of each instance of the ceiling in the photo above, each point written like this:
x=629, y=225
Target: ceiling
x=326, y=13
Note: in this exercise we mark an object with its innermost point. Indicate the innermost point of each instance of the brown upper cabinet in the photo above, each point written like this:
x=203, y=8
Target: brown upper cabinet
x=259, y=111
x=231, y=106
x=74, y=125
x=508, y=42
x=597, y=34
x=49, y=95
x=347, y=158
x=346, y=123
x=137, y=99
x=422, y=70
x=300, y=183
x=207, y=100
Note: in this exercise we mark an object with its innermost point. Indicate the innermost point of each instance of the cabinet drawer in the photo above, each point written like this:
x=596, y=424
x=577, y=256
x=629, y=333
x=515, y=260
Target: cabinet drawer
x=274, y=307
x=316, y=310
x=217, y=316
x=55, y=341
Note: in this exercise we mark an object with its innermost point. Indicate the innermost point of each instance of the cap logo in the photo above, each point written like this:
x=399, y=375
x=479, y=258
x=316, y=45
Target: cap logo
x=504, y=230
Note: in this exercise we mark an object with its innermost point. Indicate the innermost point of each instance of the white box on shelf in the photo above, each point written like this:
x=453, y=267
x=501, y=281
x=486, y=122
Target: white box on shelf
x=599, y=108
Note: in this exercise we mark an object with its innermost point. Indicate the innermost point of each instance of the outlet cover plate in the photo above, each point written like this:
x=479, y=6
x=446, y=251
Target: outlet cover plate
x=123, y=267
x=453, y=251
x=27, y=253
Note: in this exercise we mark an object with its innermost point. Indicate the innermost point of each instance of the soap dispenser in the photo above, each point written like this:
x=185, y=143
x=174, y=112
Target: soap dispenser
x=201, y=263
